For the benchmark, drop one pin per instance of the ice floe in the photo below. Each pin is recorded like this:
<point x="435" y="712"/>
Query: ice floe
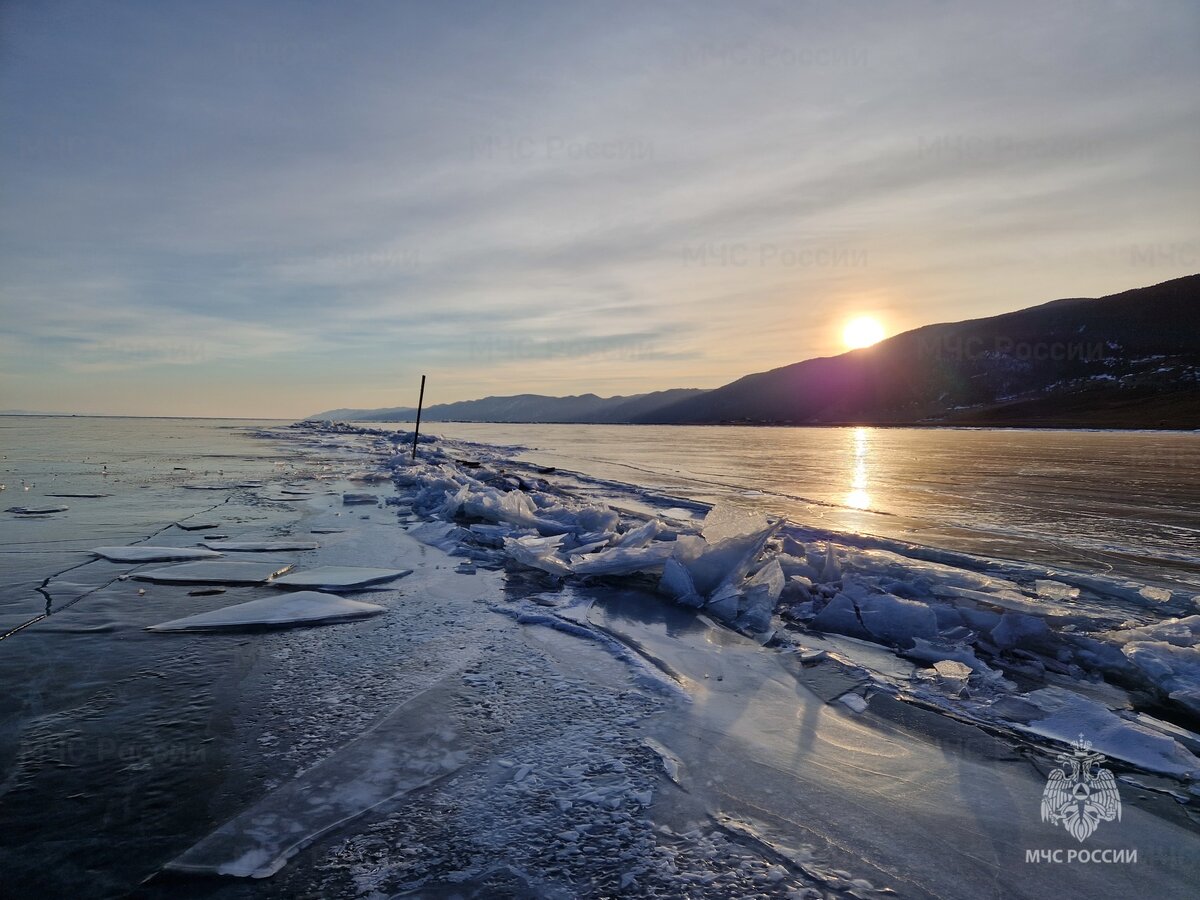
<point x="260" y="546"/>
<point x="1168" y="655"/>
<point x="413" y="747"/>
<point x="197" y="526"/>
<point x="35" y="510"/>
<point x="215" y="572"/>
<point x="339" y="577"/>
<point x="141" y="554"/>
<point x="1064" y="716"/>
<point x="277" y="611"/>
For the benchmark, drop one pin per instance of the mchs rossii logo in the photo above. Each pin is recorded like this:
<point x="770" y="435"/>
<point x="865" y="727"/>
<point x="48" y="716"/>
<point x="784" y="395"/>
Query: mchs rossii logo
<point x="1081" y="794"/>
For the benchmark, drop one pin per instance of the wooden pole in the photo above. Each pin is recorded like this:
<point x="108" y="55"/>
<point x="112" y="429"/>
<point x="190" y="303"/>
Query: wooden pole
<point x="417" y="430"/>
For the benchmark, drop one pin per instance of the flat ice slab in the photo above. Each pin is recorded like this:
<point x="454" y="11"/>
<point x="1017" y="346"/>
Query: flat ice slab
<point x="340" y="577"/>
<point x="215" y="572"/>
<point x="197" y="526"/>
<point x="153" y="554"/>
<point x="35" y="510"/>
<point x="280" y="611"/>
<point x="261" y="546"/>
<point x="415" y="746"/>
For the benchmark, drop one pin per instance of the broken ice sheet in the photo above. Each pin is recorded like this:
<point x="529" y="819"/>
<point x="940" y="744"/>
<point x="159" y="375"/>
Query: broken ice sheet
<point x="623" y="560"/>
<point x="339" y="577"/>
<point x="215" y="572"/>
<point x="538" y="553"/>
<point x="261" y="546"/>
<point x="725" y="521"/>
<point x="142" y="554"/>
<point x="1064" y="715"/>
<point x="280" y="610"/>
<point x="1167" y="653"/>
<point x="412" y="747"/>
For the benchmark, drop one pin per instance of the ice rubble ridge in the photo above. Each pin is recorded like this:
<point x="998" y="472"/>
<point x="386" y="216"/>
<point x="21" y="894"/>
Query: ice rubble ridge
<point x="753" y="574"/>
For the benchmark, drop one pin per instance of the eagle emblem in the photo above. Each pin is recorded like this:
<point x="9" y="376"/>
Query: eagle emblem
<point x="1081" y="794"/>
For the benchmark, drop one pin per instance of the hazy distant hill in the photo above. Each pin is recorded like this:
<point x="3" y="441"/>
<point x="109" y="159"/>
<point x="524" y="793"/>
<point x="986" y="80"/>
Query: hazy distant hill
<point x="586" y="408"/>
<point x="1127" y="360"/>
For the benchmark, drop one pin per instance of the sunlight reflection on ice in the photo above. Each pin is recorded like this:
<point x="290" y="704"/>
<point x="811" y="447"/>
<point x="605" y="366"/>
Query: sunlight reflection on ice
<point x="858" y="496"/>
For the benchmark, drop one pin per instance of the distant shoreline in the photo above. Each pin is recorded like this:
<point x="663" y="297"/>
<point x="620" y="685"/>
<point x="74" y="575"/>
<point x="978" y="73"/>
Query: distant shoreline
<point x="946" y="426"/>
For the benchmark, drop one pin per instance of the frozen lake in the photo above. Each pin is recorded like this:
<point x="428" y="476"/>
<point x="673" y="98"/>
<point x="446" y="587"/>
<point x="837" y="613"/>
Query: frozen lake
<point x="495" y="731"/>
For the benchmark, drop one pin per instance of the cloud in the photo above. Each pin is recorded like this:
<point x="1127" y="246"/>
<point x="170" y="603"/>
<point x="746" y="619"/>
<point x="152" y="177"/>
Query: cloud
<point x="664" y="196"/>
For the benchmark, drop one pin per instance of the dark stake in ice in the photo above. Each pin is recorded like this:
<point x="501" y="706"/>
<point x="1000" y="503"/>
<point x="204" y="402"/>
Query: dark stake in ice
<point x="417" y="427"/>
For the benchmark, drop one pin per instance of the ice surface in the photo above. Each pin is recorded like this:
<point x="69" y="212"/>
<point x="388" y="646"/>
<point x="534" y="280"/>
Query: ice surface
<point x="725" y="521"/>
<point x="1168" y="654"/>
<point x="952" y="669"/>
<point x="350" y="499"/>
<point x="758" y="740"/>
<point x="443" y="535"/>
<point x="339" y="577"/>
<point x="623" y="560"/>
<point x="677" y="583"/>
<point x="1020" y="630"/>
<point x="959" y="613"/>
<point x="725" y="562"/>
<point x="278" y="611"/>
<point x="895" y="620"/>
<point x="671" y="763"/>
<point x="140" y="554"/>
<point x="261" y="546"/>
<point x="759" y="597"/>
<point x="1067" y="715"/>
<point x="538" y="553"/>
<point x="640" y="536"/>
<point x="724" y="603"/>
<point x="215" y="572"/>
<point x="852" y="701"/>
<point x="197" y="526"/>
<point x="1055" y="590"/>
<point x="841" y="617"/>
<point x="413" y="747"/>
<point x="35" y="510"/>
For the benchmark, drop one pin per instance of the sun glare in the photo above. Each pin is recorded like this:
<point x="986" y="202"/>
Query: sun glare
<point x="862" y="332"/>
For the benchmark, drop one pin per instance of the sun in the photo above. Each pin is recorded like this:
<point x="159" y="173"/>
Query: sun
<point x="862" y="332"/>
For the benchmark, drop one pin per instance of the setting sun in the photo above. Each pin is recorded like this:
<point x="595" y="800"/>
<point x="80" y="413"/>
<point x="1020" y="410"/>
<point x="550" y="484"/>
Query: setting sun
<point x="862" y="332"/>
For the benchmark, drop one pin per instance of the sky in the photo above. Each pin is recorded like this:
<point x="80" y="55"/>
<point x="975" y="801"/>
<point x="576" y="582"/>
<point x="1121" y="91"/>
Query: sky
<point x="273" y="209"/>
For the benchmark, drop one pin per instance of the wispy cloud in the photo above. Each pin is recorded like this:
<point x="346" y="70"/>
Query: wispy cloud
<point x="273" y="208"/>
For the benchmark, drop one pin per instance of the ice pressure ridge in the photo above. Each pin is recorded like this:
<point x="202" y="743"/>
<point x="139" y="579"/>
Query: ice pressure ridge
<point x="993" y="640"/>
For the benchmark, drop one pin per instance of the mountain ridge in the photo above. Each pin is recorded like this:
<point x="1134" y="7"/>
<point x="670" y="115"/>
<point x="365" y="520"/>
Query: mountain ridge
<point x="1125" y="360"/>
<point x="524" y="408"/>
